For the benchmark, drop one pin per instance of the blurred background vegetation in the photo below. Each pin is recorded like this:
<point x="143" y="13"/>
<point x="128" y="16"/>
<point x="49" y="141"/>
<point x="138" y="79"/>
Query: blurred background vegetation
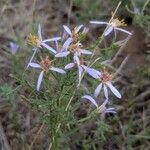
<point x="21" y="117"/>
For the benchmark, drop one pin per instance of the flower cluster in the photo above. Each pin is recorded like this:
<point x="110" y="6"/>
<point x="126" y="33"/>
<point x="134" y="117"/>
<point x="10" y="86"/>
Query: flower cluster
<point x="71" y="46"/>
<point x="105" y="80"/>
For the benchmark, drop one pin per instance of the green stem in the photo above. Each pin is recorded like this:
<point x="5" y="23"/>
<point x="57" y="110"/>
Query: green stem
<point x="145" y="4"/>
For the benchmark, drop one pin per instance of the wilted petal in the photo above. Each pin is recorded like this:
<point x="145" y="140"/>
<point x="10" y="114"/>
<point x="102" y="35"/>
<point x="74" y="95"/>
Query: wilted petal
<point x="98" y="90"/>
<point x="113" y="89"/>
<point x="39" y="32"/>
<point x="83" y="51"/>
<point x="40" y="78"/>
<point x="99" y="22"/>
<point x="67" y="30"/>
<point x="62" y="54"/>
<point x="57" y="70"/>
<point x="67" y="44"/>
<point x="125" y="31"/>
<point x="90" y="99"/>
<point x="49" y="48"/>
<point x="70" y="65"/>
<point x="108" y="31"/>
<point x="52" y="39"/>
<point x="78" y="28"/>
<point x="34" y="65"/>
<point x="105" y="92"/>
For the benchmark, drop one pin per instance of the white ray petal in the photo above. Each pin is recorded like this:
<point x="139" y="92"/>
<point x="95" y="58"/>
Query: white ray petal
<point x="70" y="65"/>
<point x="62" y="54"/>
<point x="67" y="30"/>
<point x="105" y="91"/>
<point x="83" y="51"/>
<point x="90" y="99"/>
<point x="78" y="28"/>
<point x="57" y="70"/>
<point x="99" y="22"/>
<point x="110" y="111"/>
<point x="92" y="72"/>
<point x="102" y="108"/>
<point x="80" y="69"/>
<point x="34" y="65"/>
<point x="110" y="108"/>
<point x="98" y="90"/>
<point x="76" y="59"/>
<point x="113" y="89"/>
<point x="49" y="48"/>
<point x="108" y="31"/>
<point x="39" y="32"/>
<point x="57" y="47"/>
<point x="85" y="30"/>
<point x="125" y="31"/>
<point x="52" y="39"/>
<point x="40" y="78"/>
<point x="67" y="44"/>
<point x="35" y="50"/>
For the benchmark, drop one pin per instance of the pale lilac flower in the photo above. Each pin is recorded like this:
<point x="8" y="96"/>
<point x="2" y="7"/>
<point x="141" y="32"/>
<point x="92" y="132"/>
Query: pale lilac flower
<point x="38" y="42"/>
<point x="46" y="66"/>
<point x="13" y="47"/>
<point x="102" y="108"/>
<point x="73" y="35"/>
<point x="105" y="79"/>
<point x="76" y="50"/>
<point x="112" y="25"/>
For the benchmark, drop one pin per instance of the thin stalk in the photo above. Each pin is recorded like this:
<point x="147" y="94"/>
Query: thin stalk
<point x="145" y="4"/>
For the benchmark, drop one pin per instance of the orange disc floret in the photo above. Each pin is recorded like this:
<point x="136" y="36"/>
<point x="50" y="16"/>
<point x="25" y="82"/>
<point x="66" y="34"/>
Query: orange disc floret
<point x="45" y="64"/>
<point x="105" y="76"/>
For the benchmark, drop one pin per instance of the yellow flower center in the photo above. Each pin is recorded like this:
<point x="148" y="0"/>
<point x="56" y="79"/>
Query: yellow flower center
<point x="75" y="36"/>
<point x="116" y="23"/>
<point x="33" y="40"/>
<point x="45" y="64"/>
<point x="74" y="47"/>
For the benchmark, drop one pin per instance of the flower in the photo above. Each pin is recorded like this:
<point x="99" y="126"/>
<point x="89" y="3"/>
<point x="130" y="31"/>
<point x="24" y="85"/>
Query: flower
<point x="80" y="64"/>
<point x="75" y="49"/>
<point x="74" y="35"/>
<point x="105" y="79"/>
<point x="37" y="42"/>
<point x="13" y="47"/>
<point x="114" y="24"/>
<point x="102" y="108"/>
<point x="45" y="65"/>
